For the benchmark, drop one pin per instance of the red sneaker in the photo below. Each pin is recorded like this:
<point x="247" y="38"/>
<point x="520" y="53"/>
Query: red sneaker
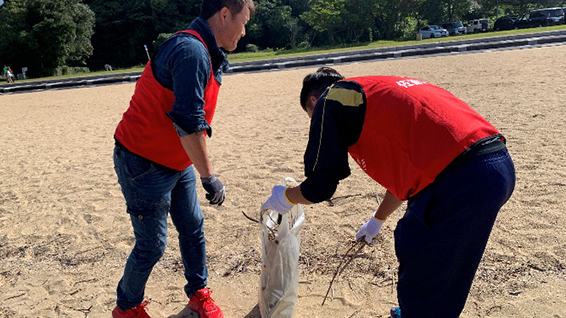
<point x="134" y="312"/>
<point x="204" y="305"/>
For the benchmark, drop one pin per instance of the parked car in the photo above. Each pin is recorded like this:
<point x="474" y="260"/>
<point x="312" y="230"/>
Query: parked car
<point x="432" y="31"/>
<point x="454" y="28"/>
<point x="478" y="25"/>
<point x="540" y="18"/>
<point x="504" y="23"/>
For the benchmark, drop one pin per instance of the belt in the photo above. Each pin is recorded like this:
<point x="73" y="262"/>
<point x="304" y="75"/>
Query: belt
<point x="483" y="146"/>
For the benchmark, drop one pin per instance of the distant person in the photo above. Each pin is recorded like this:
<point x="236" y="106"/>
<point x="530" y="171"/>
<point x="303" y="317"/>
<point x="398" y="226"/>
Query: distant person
<point x="158" y="141"/>
<point x="424" y="146"/>
<point x="9" y="74"/>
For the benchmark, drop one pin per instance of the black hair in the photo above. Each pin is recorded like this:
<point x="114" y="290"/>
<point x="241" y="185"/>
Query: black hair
<point x="316" y="83"/>
<point x="209" y="7"/>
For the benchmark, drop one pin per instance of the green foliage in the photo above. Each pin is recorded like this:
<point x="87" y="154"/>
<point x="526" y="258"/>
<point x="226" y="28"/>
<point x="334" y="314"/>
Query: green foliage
<point x="358" y="19"/>
<point x="324" y="16"/>
<point x="80" y="47"/>
<point x="274" y="25"/>
<point x="252" y="48"/>
<point x="162" y="37"/>
<point x="69" y="70"/>
<point x="407" y="29"/>
<point x="123" y="27"/>
<point x="45" y="34"/>
<point x="48" y="35"/>
<point x="440" y="11"/>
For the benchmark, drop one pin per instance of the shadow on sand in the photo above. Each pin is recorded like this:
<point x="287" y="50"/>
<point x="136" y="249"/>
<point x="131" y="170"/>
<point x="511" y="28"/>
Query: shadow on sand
<point x="254" y="313"/>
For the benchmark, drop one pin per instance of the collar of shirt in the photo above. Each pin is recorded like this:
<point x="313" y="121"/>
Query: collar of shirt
<point x="217" y="56"/>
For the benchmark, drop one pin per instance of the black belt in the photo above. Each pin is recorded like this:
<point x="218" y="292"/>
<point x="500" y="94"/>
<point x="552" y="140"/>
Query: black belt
<point x="483" y="146"/>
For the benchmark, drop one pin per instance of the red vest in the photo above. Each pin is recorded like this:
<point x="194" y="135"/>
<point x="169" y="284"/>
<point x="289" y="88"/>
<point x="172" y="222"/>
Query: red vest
<point x="147" y="131"/>
<point x="412" y="131"/>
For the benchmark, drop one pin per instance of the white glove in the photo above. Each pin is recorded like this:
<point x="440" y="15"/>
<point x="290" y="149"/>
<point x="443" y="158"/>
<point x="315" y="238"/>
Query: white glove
<point x="278" y="201"/>
<point x="369" y="230"/>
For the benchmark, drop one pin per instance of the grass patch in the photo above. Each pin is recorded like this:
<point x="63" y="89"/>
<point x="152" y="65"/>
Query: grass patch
<point x="76" y="75"/>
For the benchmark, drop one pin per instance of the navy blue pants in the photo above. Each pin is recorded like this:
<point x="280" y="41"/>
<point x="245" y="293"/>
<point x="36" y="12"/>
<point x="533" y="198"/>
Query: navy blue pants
<point x="440" y="240"/>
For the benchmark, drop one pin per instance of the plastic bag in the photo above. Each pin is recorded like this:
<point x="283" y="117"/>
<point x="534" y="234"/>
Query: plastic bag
<point x="280" y="244"/>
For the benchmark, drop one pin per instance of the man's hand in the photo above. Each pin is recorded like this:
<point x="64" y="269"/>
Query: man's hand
<point x="216" y="192"/>
<point x="369" y="230"/>
<point x="278" y="201"/>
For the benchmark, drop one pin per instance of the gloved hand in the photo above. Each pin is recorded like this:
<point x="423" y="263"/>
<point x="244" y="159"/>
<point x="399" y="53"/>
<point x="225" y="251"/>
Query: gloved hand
<point x="369" y="230"/>
<point x="278" y="201"/>
<point x="216" y="192"/>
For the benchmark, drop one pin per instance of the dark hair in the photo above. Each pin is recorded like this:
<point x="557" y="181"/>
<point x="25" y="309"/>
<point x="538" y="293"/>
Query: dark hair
<point x="209" y="7"/>
<point x="316" y="83"/>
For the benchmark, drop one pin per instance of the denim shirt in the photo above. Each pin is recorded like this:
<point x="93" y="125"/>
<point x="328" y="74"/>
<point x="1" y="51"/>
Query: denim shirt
<point x="182" y="64"/>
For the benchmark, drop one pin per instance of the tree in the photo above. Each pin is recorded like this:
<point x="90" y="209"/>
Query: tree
<point x="358" y="17"/>
<point x="324" y="17"/>
<point x="273" y="25"/>
<point x="44" y="35"/>
<point x="123" y="27"/>
<point x="292" y="24"/>
<point x="282" y="27"/>
<point x="47" y="34"/>
<point x="391" y="18"/>
<point x="80" y="46"/>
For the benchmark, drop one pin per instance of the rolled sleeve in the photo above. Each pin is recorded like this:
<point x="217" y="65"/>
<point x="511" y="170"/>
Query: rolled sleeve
<point x="184" y="67"/>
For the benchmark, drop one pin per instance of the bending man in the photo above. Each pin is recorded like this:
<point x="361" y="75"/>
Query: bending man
<point x="424" y="145"/>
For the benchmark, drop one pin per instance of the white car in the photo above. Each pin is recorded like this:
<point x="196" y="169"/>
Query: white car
<point x="478" y="25"/>
<point x="432" y="31"/>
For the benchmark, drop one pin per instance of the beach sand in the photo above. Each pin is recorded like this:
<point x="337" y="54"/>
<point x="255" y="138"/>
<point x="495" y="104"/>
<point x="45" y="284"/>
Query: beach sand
<point x="65" y="235"/>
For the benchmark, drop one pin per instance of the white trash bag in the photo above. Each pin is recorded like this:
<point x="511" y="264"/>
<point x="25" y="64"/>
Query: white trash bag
<point x="280" y="243"/>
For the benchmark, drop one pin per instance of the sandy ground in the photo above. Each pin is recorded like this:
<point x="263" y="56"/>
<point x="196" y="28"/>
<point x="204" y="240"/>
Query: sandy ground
<point x="65" y="235"/>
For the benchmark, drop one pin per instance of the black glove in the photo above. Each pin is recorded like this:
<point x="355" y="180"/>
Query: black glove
<point x="216" y="190"/>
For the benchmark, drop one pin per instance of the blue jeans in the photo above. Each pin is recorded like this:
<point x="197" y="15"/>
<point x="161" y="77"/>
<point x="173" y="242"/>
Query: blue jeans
<point x="151" y="192"/>
<point x="440" y="240"/>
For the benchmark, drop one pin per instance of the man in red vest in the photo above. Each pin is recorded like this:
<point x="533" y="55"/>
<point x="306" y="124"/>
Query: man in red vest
<point x="424" y="146"/>
<point x="158" y="141"/>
